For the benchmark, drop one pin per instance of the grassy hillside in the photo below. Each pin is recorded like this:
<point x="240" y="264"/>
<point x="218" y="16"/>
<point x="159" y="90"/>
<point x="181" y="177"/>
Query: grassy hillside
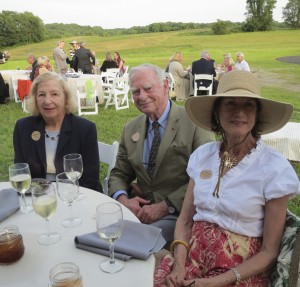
<point x="281" y="81"/>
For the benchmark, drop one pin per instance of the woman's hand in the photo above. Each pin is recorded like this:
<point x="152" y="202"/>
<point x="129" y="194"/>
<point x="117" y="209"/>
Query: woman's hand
<point x="175" y="278"/>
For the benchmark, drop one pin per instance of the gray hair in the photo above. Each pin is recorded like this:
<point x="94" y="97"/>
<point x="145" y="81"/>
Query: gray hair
<point x="204" y="54"/>
<point x="30" y="55"/>
<point x="157" y="71"/>
<point x="70" y="106"/>
<point x="240" y="54"/>
<point x="42" y="60"/>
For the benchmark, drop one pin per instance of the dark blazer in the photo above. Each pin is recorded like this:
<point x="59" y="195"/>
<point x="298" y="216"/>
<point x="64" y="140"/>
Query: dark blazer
<point x="82" y="60"/>
<point x="34" y="67"/>
<point x="77" y="135"/>
<point x="108" y="65"/>
<point x="203" y="66"/>
<point x="181" y="138"/>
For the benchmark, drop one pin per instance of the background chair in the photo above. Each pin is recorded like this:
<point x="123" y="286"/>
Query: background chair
<point x="108" y="154"/>
<point x="171" y="81"/>
<point x="200" y="77"/>
<point x="87" y="99"/>
<point x="117" y="94"/>
<point x="15" y="80"/>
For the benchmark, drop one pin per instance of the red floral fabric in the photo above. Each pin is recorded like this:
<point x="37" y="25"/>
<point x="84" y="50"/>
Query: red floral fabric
<point x="214" y="251"/>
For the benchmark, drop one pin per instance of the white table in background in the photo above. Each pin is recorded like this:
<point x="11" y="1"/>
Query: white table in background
<point x="7" y="76"/>
<point x="77" y="82"/>
<point x="286" y="140"/>
<point x="32" y="270"/>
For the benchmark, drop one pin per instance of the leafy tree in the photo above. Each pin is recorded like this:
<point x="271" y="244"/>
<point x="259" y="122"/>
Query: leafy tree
<point x="259" y="15"/>
<point x="221" y="27"/>
<point x="291" y="14"/>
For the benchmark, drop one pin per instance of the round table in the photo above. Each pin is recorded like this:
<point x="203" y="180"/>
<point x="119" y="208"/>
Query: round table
<point x="33" y="268"/>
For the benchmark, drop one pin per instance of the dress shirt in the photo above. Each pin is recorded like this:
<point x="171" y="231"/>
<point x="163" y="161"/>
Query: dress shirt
<point x="243" y="66"/>
<point x="149" y="139"/>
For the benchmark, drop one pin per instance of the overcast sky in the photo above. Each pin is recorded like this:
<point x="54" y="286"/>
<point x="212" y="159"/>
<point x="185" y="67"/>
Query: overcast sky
<point x="128" y="13"/>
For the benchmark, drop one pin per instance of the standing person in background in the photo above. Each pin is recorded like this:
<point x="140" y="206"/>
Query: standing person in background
<point x="31" y="59"/>
<point x="60" y="58"/>
<point x="84" y="59"/>
<point x="120" y="63"/>
<point x="108" y="63"/>
<point x="73" y="48"/>
<point x="181" y="77"/>
<point x="241" y="64"/>
<point x="161" y="179"/>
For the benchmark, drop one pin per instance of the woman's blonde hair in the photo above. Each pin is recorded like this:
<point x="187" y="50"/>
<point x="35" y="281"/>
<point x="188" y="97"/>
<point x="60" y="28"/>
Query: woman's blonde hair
<point x="70" y="106"/>
<point x="177" y="56"/>
<point x="42" y="60"/>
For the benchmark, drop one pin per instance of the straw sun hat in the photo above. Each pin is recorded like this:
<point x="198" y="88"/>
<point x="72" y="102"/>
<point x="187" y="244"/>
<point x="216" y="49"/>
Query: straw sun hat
<point x="273" y="115"/>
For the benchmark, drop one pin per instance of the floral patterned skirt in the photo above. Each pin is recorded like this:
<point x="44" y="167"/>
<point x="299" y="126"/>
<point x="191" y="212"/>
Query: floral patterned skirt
<point x="214" y="251"/>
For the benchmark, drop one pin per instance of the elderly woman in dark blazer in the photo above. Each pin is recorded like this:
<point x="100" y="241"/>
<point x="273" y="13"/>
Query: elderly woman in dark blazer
<point x="41" y="140"/>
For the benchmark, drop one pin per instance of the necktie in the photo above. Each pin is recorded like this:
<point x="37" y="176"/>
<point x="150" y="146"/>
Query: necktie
<point x="154" y="149"/>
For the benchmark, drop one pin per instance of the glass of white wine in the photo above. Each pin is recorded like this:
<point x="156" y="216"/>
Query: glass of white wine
<point x="20" y="178"/>
<point x="67" y="190"/>
<point x="44" y="204"/>
<point x="109" y="223"/>
<point x="73" y="167"/>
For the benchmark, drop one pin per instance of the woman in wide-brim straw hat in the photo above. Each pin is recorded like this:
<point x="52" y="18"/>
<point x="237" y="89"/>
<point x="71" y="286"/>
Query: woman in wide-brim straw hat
<point x="239" y="188"/>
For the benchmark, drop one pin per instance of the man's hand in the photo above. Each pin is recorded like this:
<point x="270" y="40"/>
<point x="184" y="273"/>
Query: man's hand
<point x="153" y="212"/>
<point x="134" y="204"/>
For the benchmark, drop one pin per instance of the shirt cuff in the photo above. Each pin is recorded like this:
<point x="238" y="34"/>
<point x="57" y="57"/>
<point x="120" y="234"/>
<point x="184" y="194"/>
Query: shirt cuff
<point x="118" y="193"/>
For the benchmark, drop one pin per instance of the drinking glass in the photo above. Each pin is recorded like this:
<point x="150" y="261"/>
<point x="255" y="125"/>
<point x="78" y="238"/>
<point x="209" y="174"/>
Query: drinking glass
<point x="44" y="204"/>
<point x="109" y="223"/>
<point x="73" y="167"/>
<point x="67" y="190"/>
<point x="20" y="178"/>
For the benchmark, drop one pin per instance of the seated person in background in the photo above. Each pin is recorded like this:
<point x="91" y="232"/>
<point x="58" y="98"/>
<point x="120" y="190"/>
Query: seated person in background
<point x="53" y="131"/>
<point x="31" y="59"/>
<point x="205" y="66"/>
<point x="228" y="63"/>
<point x="241" y="63"/>
<point x="44" y="66"/>
<point x="108" y="63"/>
<point x="161" y="180"/>
<point x="181" y="77"/>
<point x="120" y="63"/>
<point x="233" y="216"/>
<point x="4" y="91"/>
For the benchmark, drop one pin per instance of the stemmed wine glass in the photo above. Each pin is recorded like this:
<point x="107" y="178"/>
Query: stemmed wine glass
<point x="20" y="178"/>
<point x="44" y="204"/>
<point x="73" y="167"/>
<point x="109" y="222"/>
<point x="68" y="192"/>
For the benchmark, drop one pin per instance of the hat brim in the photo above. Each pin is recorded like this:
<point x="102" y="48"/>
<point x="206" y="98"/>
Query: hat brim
<point x="273" y="116"/>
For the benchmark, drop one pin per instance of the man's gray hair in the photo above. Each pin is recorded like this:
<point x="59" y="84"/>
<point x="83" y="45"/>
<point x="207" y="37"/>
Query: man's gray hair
<point x="157" y="70"/>
<point x="204" y="54"/>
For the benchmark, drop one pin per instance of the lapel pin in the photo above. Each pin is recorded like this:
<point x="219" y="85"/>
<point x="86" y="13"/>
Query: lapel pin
<point x="135" y="137"/>
<point x="205" y="174"/>
<point x="36" y="135"/>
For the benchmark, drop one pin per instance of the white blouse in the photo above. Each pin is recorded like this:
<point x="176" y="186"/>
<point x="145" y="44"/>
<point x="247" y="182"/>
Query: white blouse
<point x="262" y="175"/>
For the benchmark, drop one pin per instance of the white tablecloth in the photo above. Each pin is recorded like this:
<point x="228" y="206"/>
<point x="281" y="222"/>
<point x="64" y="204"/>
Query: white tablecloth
<point x="286" y="140"/>
<point x="7" y="76"/>
<point x="32" y="270"/>
<point x="79" y="82"/>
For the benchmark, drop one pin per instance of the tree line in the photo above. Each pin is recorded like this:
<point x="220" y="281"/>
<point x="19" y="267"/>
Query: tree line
<point x="23" y="28"/>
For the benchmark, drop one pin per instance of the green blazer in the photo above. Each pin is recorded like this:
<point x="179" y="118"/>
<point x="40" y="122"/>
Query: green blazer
<point x="170" y="179"/>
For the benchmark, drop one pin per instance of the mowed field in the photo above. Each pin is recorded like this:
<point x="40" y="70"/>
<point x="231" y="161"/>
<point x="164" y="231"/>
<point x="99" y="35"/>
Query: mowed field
<point x="280" y="81"/>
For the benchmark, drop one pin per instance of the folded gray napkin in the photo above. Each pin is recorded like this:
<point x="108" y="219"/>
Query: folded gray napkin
<point x="137" y="240"/>
<point x="9" y="202"/>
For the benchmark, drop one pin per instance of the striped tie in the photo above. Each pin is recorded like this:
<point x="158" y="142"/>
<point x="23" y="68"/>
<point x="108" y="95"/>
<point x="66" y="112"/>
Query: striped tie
<point x="154" y="149"/>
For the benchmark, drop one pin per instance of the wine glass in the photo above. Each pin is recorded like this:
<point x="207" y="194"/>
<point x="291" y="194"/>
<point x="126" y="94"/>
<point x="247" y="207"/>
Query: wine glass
<point x="73" y="167"/>
<point x="109" y="222"/>
<point x="44" y="204"/>
<point x="67" y="190"/>
<point x="20" y="178"/>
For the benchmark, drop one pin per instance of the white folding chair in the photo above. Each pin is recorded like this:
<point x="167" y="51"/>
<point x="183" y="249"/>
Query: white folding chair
<point x="111" y="74"/>
<point x="117" y="94"/>
<point x="171" y="81"/>
<point x="199" y="77"/>
<point x="87" y="100"/>
<point x="14" y="81"/>
<point x="108" y="154"/>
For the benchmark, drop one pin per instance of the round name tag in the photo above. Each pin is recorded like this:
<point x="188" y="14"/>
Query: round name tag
<point x="206" y="174"/>
<point x="36" y="135"/>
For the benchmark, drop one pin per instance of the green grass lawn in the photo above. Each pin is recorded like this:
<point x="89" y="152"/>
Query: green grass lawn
<point x="280" y="80"/>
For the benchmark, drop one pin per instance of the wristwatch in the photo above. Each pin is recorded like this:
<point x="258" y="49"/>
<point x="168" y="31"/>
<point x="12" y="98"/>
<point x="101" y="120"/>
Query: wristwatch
<point x="171" y="207"/>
